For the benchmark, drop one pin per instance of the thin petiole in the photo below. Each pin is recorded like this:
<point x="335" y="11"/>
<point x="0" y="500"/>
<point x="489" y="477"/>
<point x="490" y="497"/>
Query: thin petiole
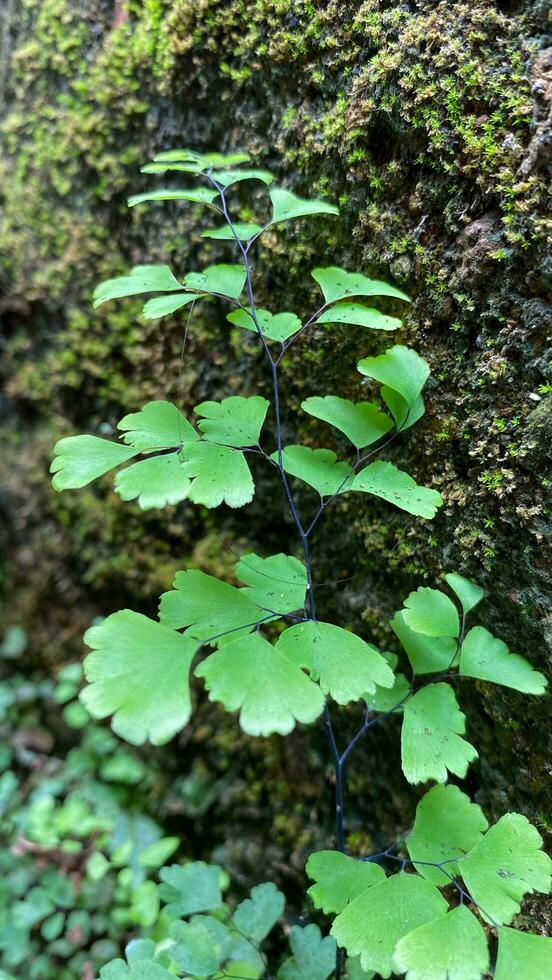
<point x="369" y="723"/>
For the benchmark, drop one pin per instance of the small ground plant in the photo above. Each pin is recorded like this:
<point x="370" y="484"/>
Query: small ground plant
<point x="77" y="854"/>
<point x="426" y="906"/>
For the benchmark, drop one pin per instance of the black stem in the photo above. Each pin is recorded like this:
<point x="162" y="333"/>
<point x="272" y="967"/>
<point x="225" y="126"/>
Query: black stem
<point x="338" y="763"/>
<point x="339" y="760"/>
<point x="359" y="461"/>
<point x="369" y="722"/>
<point x="338" y="770"/>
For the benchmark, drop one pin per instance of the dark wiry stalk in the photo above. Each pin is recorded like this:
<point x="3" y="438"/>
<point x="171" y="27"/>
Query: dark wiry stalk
<point x="338" y="759"/>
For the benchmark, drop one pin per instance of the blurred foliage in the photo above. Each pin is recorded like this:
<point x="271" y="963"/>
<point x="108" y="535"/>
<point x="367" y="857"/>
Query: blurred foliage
<point x="80" y="844"/>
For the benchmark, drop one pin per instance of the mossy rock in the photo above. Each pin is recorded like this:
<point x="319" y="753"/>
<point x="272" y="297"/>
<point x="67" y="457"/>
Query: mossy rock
<point x="420" y="121"/>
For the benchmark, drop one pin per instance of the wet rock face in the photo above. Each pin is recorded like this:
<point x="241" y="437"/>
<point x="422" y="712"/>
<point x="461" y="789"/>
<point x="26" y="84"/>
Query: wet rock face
<point x="429" y="124"/>
<point x="539" y="151"/>
<point x="476" y="246"/>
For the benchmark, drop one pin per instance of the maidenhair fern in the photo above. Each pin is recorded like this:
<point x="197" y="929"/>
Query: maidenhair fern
<point x="456" y="878"/>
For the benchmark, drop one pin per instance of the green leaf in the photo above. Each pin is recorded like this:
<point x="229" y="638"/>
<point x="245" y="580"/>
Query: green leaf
<point x="156" y="482"/>
<point x="178" y="167"/>
<point x="278" y="582"/>
<point x="225" y="159"/>
<point x="372" y="924"/>
<point x="354" y="970"/>
<point x="486" y="657"/>
<point x="361" y="422"/>
<point x="144" y="908"/>
<point x="386" y="481"/>
<point x="244" y="961"/>
<point x="364" y="316"/>
<point x="140" y="949"/>
<point x="523" y="956"/>
<point x="52" y="928"/>
<point x="139" y="970"/>
<point x="338" y="284"/>
<point x="256" y="916"/>
<point x="141" y="279"/>
<point x="199" y="195"/>
<point x="207" y="606"/>
<point x="230" y="946"/>
<point x="220" y="475"/>
<point x="138" y="672"/>
<point x="36" y="905"/>
<point x="286" y="205"/>
<point x="165" y="305"/>
<point x="384" y="699"/>
<point x="405" y="415"/>
<point x="339" y="879"/>
<point x="80" y="459"/>
<point x="342" y="663"/>
<point x="228" y="177"/>
<point x="453" y="947"/>
<point x="271" y="692"/>
<point x="469" y="594"/>
<point x="59" y="887"/>
<point x="505" y="865"/>
<point x="317" y="467"/>
<point x="427" y="654"/>
<point x="234" y="421"/>
<point x="275" y="326"/>
<point x="190" y="888"/>
<point x="155" y="854"/>
<point x="121" y="767"/>
<point x="243" y="230"/>
<point x="180" y="154"/>
<point x="430" y="741"/>
<point x="115" y="970"/>
<point x="447" y="825"/>
<point x="313" y="957"/>
<point x="399" y="368"/>
<point x="146" y="970"/>
<point x="242" y="970"/>
<point x="158" y="425"/>
<point x="75" y="715"/>
<point x="204" y="160"/>
<point x="431" y="612"/>
<point x="224" y="280"/>
<point x="194" y="952"/>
